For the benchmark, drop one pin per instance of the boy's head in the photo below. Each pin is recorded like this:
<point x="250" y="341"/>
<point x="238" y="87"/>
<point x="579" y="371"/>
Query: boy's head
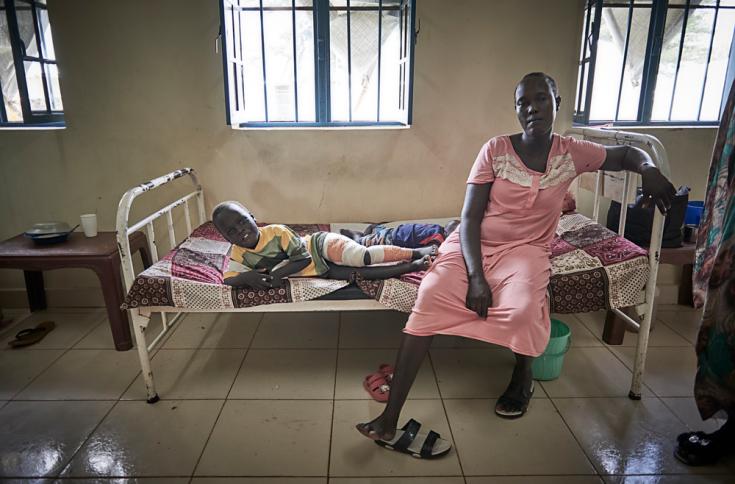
<point x="450" y="227"/>
<point x="236" y="224"/>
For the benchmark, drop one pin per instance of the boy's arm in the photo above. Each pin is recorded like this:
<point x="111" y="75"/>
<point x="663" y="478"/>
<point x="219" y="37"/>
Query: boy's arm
<point x="243" y="275"/>
<point x="292" y="267"/>
<point x="252" y="279"/>
<point x="295" y="249"/>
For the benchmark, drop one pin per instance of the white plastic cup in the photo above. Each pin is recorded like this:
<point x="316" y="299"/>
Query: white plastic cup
<point x="89" y="224"/>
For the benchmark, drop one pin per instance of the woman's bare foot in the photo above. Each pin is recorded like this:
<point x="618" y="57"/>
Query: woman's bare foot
<point x="377" y="429"/>
<point x="519" y="387"/>
<point x="430" y="250"/>
<point x="514" y="401"/>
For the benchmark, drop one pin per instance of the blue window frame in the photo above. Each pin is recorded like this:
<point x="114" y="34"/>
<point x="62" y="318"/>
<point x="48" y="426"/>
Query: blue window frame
<point x="29" y="77"/>
<point x="655" y="62"/>
<point x="318" y="63"/>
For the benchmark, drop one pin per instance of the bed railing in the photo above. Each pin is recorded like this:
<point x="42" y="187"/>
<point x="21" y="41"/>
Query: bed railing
<point x="125" y="228"/>
<point x="660" y="159"/>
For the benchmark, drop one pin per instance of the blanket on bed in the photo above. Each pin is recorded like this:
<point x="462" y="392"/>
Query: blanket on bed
<point x="592" y="268"/>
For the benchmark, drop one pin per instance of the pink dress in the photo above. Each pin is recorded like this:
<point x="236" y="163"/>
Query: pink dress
<point x="519" y="223"/>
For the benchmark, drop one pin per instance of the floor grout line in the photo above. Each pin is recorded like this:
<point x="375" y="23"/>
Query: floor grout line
<point x="334" y="394"/>
<point x="574" y="436"/>
<point x="643" y="382"/>
<point x="86" y="439"/>
<point x="224" y="401"/>
<point x="64" y="351"/>
<point x="446" y="413"/>
<point x="117" y="401"/>
<point x="44" y="370"/>
<point x="672" y="328"/>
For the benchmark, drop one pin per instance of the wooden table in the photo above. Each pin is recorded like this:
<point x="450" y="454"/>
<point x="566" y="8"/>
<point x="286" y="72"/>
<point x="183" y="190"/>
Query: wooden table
<point x="683" y="256"/>
<point x="99" y="254"/>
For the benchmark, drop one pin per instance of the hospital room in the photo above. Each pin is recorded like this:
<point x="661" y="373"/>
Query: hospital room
<point x="367" y="241"/>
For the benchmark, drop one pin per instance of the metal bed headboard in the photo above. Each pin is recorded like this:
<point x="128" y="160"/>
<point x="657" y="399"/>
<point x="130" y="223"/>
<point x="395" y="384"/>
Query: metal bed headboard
<point x="124" y="229"/>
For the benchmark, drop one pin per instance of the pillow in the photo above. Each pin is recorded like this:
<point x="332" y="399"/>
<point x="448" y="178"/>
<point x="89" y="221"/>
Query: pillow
<point x="569" y="204"/>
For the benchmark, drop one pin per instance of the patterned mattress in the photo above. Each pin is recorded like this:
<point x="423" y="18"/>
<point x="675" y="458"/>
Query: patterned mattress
<point x="592" y="268"/>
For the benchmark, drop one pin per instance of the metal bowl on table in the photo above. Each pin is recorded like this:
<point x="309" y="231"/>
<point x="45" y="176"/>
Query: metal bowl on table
<point x="47" y="233"/>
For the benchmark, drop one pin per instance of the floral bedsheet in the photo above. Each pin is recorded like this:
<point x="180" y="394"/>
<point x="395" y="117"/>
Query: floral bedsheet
<point x="592" y="268"/>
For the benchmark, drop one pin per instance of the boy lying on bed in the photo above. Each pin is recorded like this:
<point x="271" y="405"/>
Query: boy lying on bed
<point x="261" y="257"/>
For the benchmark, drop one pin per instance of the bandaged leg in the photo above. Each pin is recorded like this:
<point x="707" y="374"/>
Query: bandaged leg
<point x="346" y="252"/>
<point x="389" y="253"/>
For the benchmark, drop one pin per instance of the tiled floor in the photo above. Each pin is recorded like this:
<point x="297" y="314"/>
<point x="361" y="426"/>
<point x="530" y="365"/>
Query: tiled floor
<point x="273" y="399"/>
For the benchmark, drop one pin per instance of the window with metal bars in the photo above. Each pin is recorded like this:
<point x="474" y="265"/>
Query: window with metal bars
<point x="655" y="62"/>
<point x="29" y="77"/>
<point x="319" y="63"/>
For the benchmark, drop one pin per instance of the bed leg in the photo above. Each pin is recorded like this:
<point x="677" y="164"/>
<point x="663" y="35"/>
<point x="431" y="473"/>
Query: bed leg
<point x="641" y="350"/>
<point x="140" y="322"/>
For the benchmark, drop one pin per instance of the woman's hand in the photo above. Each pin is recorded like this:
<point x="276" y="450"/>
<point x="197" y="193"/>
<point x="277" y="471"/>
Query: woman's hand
<point x="657" y="189"/>
<point x="251" y="279"/>
<point x="479" y="297"/>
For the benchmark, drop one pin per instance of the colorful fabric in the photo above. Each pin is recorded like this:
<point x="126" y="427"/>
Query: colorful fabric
<point x="405" y="235"/>
<point x="714" y="277"/>
<point x="379" y="236"/>
<point x="607" y="285"/>
<point x="418" y="235"/>
<point x="315" y="245"/>
<point x="191" y="276"/>
<point x="516" y="231"/>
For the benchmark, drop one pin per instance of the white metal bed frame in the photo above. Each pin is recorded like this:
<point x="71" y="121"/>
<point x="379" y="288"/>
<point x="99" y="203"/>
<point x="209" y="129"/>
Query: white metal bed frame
<point x="141" y="316"/>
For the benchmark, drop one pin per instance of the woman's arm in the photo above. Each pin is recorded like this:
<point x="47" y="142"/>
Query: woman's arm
<point x="655" y="185"/>
<point x="479" y="297"/>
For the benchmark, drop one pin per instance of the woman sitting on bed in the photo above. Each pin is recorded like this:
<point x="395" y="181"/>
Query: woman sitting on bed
<point x="490" y="278"/>
<point x="261" y="257"/>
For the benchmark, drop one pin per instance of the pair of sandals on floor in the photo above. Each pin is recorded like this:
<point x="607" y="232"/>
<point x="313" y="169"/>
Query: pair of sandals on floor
<point x="409" y="439"/>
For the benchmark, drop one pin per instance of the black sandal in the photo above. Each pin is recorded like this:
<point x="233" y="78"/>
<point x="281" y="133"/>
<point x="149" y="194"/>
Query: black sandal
<point x="512" y="408"/>
<point x="31" y="336"/>
<point x="409" y="440"/>
<point x="701" y="449"/>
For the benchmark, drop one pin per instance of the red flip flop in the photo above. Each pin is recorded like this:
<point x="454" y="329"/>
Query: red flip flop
<point x="377" y="386"/>
<point x="387" y="370"/>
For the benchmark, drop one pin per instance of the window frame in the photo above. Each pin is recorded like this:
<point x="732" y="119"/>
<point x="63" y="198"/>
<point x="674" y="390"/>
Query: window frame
<point x="321" y="37"/>
<point x="31" y="118"/>
<point x="654" y="45"/>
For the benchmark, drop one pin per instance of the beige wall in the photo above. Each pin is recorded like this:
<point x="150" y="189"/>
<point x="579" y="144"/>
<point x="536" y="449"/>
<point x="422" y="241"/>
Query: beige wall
<point x="143" y="94"/>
